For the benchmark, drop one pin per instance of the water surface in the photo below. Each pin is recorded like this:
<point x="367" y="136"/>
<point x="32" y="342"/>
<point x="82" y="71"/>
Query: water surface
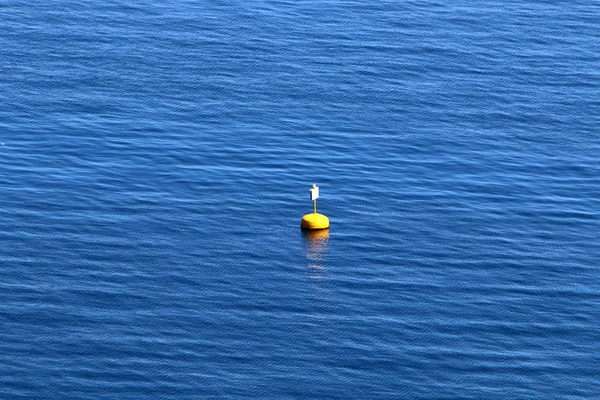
<point x="155" y="164"/>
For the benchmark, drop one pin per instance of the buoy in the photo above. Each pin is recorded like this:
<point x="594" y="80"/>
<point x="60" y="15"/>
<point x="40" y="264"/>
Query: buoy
<point x="314" y="220"/>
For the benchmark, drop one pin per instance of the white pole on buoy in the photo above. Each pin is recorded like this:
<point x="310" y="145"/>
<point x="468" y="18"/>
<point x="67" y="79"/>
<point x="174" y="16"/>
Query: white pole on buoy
<point x="314" y="195"/>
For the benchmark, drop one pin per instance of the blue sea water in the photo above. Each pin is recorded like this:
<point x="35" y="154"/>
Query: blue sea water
<point x="155" y="162"/>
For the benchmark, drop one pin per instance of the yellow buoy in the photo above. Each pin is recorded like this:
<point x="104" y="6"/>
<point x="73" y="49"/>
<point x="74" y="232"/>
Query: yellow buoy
<point x="314" y="220"/>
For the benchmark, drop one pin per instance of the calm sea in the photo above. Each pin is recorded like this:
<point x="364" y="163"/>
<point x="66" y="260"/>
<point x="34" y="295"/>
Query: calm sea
<point x="155" y="162"/>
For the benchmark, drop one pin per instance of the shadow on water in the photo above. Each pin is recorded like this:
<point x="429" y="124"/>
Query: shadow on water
<point x="315" y="246"/>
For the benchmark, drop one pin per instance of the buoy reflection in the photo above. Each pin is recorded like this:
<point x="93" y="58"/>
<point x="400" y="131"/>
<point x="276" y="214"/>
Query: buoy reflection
<point x="315" y="245"/>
